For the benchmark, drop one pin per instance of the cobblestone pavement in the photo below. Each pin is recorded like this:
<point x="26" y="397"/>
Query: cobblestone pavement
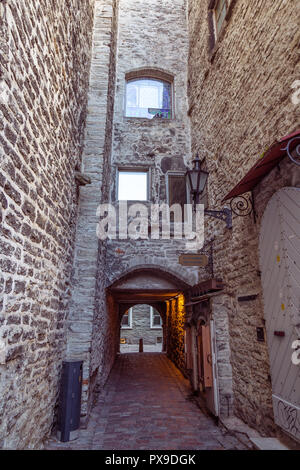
<point x="147" y="404"/>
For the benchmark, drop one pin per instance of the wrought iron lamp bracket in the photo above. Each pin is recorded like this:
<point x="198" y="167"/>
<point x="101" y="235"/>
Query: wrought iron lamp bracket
<point x="225" y="215"/>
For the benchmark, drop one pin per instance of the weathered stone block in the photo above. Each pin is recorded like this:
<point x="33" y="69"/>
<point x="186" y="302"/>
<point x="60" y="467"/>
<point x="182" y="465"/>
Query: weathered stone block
<point x="38" y="176"/>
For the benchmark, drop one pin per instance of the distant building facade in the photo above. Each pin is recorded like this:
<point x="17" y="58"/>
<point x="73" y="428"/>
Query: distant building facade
<point x="142" y="322"/>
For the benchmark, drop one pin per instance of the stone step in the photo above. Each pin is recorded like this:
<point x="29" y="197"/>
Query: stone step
<point x="268" y="443"/>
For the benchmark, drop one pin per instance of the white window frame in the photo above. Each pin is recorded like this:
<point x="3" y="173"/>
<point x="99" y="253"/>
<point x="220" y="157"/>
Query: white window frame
<point x="154" y="327"/>
<point x="129" y="327"/>
<point x="134" y="170"/>
<point x="217" y="33"/>
<point x="149" y="77"/>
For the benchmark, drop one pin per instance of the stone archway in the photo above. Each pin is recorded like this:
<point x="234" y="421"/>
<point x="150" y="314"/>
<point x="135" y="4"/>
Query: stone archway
<point x="178" y="275"/>
<point x="96" y="342"/>
<point x="162" y="289"/>
<point x="146" y="284"/>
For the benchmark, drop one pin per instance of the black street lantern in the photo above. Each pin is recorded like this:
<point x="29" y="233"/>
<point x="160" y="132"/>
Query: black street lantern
<point x="197" y="179"/>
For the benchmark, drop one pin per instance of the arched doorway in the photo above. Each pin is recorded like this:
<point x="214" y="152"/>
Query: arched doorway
<point x="280" y="267"/>
<point x="163" y="292"/>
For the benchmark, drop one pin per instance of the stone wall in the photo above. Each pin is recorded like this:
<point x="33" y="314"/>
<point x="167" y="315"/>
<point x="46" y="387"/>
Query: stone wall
<point x="220" y="307"/>
<point x="124" y="40"/>
<point x="240" y="97"/>
<point x="150" y="40"/>
<point x="93" y="322"/>
<point x="141" y="327"/>
<point x="45" y="57"/>
<point x="175" y="321"/>
<point x="239" y="102"/>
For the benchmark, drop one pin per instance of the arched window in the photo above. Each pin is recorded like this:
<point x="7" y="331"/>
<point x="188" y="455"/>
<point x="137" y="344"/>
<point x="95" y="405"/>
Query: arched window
<point x="148" y="97"/>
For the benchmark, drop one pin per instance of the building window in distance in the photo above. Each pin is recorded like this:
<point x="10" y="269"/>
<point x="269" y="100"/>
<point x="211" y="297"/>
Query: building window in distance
<point x="220" y="12"/>
<point x="127" y="319"/>
<point x="148" y="98"/>
<point x="133" y="185"/>
<point x="155" y="319"/>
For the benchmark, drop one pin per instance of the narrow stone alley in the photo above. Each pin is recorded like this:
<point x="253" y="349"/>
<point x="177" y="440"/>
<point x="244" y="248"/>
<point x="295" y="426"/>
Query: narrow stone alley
<point x="147" y="405"/>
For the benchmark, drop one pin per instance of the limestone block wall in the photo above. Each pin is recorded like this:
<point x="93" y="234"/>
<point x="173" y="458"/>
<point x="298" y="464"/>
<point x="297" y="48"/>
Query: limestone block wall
<point x="45" y="57"/>
<point x="123" y="41"/>
<point x="250" y="362"/>
<point x="240" y="98"/>
<point x="220" y="307"/>
<point x="92" y="320"/>
<point x="150" y="34"/>
<point x="125" y="255"/>
<point x="175" y="321"/>
<point x="106" y="322"/>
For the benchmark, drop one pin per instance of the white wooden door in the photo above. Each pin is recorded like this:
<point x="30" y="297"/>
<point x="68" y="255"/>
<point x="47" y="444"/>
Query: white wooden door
<point x="280" y="266"/>
<point x="212" y="400"/>
<point x="207" y="366"/>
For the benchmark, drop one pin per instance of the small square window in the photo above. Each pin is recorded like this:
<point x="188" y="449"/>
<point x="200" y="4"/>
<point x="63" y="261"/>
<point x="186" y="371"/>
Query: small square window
<point x="133" y="185"/>
<point x="155" y="319"/>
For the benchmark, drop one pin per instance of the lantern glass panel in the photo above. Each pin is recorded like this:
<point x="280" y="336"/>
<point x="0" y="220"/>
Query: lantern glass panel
<point x="194" y="179"/>
<point x="203" y="180"/>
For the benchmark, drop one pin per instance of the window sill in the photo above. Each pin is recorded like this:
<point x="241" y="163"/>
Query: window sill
<point x="132" y="201"/>
<point x="144" y="120"/>
<point x="126" y="328"/>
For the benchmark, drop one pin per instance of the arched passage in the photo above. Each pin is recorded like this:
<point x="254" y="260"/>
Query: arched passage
<point x="98" y="345"/>
<point x="160" y="289"/>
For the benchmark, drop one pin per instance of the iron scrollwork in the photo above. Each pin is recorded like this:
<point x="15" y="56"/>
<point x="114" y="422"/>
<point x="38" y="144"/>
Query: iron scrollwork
<point x="295" y="156"/>
<point x="241" y="205"/>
